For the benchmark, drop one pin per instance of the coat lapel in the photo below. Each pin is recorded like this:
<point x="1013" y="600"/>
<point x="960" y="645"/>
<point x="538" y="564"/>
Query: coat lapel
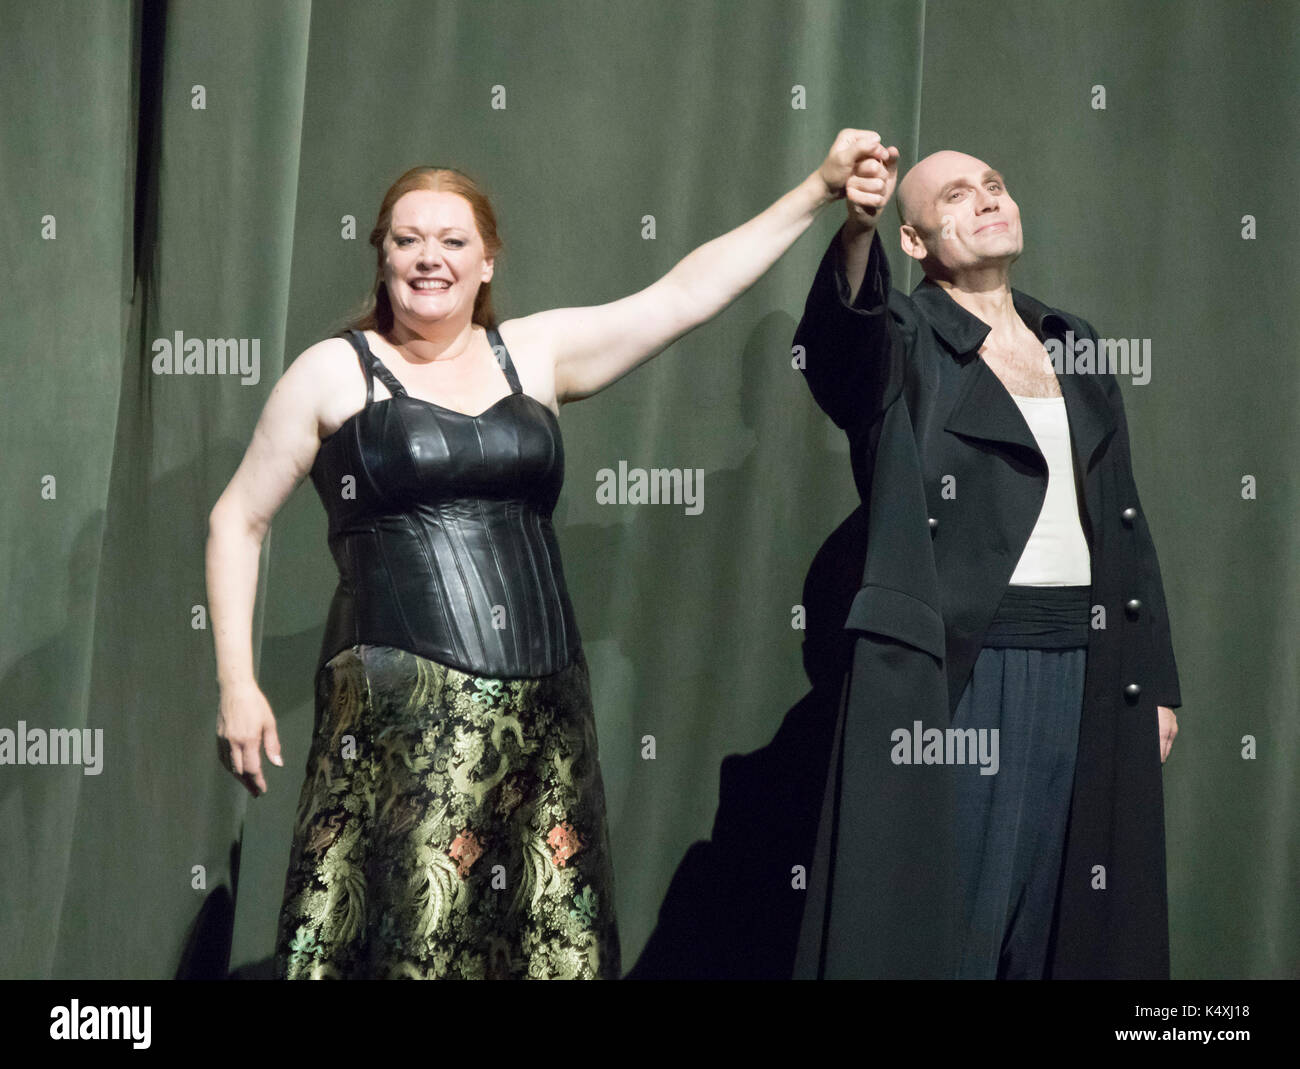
<point x="984" y="409"/>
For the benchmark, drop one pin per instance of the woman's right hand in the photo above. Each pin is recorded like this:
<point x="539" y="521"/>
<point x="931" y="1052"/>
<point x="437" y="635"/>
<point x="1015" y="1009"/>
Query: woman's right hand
<point x="244" y="723"/>
<point x="863" y="171"/>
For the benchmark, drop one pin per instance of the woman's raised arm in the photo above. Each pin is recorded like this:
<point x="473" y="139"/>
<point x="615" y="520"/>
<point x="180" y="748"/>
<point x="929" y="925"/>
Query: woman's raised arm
<point x="593" y="347"/>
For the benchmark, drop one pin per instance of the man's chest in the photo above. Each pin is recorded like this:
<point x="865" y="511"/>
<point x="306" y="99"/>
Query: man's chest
<point x="1022" y="365"/>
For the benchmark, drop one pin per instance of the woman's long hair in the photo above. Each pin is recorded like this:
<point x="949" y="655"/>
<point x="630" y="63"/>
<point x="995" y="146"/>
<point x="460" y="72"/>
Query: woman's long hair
<point x="376" y="313"/>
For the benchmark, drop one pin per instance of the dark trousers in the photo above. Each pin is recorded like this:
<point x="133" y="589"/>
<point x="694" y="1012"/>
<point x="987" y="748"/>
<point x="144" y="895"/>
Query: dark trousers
<point x="1011" y="825"/>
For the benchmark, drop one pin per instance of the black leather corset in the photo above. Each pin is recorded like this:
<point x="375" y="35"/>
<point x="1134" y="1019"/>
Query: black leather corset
<point x="440" y="524"/>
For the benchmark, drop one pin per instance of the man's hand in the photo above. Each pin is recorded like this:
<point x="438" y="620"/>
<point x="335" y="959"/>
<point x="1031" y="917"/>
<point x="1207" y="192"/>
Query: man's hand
<point x="864" y="172"/>
<point x="1168" y="729"/>
<point x="861" y="169"/>
<point x="871" y="186"/>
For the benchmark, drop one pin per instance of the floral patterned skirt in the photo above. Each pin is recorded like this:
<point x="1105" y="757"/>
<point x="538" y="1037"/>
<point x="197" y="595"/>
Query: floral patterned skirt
<point x="450" y="826"/>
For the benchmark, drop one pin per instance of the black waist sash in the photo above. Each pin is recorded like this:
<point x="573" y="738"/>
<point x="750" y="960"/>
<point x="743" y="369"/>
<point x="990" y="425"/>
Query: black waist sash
<point x="1041" y="617"/>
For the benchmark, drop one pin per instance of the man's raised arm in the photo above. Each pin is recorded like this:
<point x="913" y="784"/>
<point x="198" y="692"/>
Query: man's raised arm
<point x="852" y="350"/>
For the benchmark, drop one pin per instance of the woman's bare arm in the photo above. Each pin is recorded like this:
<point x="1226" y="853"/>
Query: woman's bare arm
<point x="592" y="347"/>
<point x="283" y="447"/>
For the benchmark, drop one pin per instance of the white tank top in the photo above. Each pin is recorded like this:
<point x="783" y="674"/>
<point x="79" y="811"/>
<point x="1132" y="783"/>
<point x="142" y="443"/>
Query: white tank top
<point x="1057" y="552"/>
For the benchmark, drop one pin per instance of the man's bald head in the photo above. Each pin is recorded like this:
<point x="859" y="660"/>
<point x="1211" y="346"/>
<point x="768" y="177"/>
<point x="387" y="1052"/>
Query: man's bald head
<point x="956" y="215"/>
<point x="920" y="187"/>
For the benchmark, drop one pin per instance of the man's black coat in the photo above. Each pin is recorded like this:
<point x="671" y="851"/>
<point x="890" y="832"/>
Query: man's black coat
<point x="952" y="481"/>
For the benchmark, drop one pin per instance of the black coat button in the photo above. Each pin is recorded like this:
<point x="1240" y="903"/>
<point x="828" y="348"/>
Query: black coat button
<point x="1132" y="605"/>
<point x="1129" y="515"/>
<point x="1132" y="690"/>
<point x="934" y="525"/>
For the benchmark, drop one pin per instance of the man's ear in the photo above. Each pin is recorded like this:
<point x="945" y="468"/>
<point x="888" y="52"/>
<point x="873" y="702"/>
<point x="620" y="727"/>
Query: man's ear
<point x="913" y="244"/>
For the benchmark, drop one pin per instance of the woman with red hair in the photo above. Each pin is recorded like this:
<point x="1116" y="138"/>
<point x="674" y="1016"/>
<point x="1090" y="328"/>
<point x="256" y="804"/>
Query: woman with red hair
<point x="452" y="819"/>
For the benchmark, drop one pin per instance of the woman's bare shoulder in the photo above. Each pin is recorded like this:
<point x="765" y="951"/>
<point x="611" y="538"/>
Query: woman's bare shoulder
<point x="327" y="351"/>
<point x="327" y="377"/>
<point x="532" y="352"/>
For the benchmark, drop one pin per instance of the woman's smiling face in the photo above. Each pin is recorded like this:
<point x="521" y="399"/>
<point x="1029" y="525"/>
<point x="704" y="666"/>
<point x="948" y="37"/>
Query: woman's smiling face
<point x="433" y="262"/>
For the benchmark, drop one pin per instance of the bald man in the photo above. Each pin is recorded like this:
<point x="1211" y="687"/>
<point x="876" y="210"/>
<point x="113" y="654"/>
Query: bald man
<point x="1011" y="603"/>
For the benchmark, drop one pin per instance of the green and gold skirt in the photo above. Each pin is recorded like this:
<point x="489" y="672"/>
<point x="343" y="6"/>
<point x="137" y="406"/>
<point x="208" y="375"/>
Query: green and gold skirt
<point x="450" y="826"/>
